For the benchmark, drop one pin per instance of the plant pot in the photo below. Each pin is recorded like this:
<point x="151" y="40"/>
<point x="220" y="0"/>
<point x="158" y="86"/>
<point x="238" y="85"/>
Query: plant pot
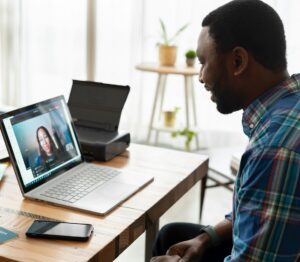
<point x="190" y="62"/>
<point x="169" y="118"/>
<point x="167" y="55"/>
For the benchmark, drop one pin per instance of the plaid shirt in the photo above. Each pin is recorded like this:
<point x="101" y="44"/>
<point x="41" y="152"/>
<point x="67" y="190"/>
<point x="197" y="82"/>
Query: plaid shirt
<point x="266" y="205"/>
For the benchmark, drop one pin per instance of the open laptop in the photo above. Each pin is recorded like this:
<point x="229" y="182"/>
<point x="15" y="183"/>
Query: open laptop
<point x="47" y="160"/>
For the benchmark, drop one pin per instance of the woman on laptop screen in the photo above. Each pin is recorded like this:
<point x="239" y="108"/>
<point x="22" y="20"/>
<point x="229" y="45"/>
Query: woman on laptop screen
<point x="50" y="155"/>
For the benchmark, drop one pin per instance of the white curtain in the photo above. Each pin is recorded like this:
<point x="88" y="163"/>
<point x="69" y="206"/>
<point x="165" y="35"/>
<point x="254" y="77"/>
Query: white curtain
<point x="51" y="49"/>
<point x="10" y="52"/>
<point x="44" y="48"/>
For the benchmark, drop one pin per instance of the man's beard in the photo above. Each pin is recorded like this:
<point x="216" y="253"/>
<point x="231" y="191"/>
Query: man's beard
<point x="227" y="101"/>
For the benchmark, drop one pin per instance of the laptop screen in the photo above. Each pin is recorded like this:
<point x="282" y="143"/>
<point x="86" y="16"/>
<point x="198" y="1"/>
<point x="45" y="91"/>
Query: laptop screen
<point x="42" y="140"/>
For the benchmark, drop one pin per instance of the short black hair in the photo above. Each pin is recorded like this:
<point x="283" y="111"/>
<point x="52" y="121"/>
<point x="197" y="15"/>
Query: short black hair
<point x="253" y="25"/>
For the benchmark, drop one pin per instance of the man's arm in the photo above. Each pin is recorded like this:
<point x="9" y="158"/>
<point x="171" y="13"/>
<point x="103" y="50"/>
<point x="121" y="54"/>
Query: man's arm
<point x="224" y="230"/>
<point x="195" y="248"/>
<point x="267" y="208"/>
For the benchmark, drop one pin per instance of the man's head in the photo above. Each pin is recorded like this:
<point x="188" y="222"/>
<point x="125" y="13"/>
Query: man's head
<point x="240" y="41"/>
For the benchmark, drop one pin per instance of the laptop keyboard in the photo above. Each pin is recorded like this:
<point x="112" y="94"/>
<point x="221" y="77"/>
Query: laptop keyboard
<point x="81" y="183"/>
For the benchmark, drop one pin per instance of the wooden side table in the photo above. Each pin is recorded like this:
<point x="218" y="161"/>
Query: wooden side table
<point x="190" y="106"/>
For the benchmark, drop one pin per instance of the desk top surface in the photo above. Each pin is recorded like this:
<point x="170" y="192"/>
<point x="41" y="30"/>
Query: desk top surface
<point x="174" y="172"/>
<point x="176" y="70"/>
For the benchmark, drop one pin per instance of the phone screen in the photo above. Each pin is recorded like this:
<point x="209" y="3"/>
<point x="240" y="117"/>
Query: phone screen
<point x="59" y="230"/>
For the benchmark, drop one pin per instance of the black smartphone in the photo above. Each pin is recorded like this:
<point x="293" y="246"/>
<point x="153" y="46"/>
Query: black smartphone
<point x="60" y="230"/>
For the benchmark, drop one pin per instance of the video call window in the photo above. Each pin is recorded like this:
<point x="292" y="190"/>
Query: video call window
<point x="45" y="140"/>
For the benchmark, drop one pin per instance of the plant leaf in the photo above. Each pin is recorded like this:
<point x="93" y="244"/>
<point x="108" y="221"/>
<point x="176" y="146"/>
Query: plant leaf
<point x="164" y="31"/>
<point x="176" y="109"/>
<point x="178" y="32"/>
<point x="174" y="134"/>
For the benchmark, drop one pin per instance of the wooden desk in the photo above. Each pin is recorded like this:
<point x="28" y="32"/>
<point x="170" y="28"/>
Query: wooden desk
<point x="190" y="105"/>
<point x="174" y="174"/>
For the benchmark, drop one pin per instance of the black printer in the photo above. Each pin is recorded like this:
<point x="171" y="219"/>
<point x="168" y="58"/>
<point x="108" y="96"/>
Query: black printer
<point x="96" y="110"/>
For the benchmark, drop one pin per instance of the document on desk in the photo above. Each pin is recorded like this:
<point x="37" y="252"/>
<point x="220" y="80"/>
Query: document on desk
<point x="6" y="234"/>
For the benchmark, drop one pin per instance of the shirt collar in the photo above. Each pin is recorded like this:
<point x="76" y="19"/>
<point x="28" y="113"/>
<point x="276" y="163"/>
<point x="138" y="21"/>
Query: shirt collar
<point x="254" y="112"/>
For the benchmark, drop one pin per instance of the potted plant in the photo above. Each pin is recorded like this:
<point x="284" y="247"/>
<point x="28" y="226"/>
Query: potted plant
<point x="170" y="117"/>
<point x="189" y="135"/>
<point x="167" y="49"/>
<point x="190" y="56"/>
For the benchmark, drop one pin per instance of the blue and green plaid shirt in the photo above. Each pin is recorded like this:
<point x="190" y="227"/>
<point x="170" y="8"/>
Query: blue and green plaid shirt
<point x="266" y="204"/>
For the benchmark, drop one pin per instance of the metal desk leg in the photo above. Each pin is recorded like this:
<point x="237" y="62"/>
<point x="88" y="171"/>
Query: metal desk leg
<point x="202" y="195"/>
<point x="151" y="234"/>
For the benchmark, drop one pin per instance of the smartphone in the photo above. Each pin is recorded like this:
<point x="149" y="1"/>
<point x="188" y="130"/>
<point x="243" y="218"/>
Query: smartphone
<point x="60" y="230"/>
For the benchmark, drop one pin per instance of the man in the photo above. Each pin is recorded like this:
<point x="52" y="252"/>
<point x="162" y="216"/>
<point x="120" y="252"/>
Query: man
<point x="242" y="52"/>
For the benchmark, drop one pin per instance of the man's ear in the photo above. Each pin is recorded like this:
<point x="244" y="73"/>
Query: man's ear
<point x="240" y="60"/>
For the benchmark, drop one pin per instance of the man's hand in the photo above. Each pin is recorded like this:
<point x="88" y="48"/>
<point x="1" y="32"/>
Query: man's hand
<point x="193" y="249"/>
<point x="166" y="259"/>
<point x="190" y="250"/>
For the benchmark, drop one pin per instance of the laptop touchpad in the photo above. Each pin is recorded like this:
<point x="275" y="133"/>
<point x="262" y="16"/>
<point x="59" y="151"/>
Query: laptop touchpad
<point x="106" y="197"/>
<point x="110" y="191"/>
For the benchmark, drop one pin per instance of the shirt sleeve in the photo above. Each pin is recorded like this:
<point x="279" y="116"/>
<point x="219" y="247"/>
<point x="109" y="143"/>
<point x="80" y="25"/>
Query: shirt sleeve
<point x="267" y="205"/>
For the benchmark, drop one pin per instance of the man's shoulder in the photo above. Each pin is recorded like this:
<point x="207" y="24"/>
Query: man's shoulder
<point x="283" y="128"/>
<point x="264" y="161"/>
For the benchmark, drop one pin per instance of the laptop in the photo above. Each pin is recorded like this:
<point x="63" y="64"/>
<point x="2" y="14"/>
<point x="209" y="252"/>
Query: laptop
<point x="49" y="165"/>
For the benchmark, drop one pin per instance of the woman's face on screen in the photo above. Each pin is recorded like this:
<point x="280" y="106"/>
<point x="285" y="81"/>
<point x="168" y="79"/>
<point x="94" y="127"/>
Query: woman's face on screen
<point x="44" y="141"/>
